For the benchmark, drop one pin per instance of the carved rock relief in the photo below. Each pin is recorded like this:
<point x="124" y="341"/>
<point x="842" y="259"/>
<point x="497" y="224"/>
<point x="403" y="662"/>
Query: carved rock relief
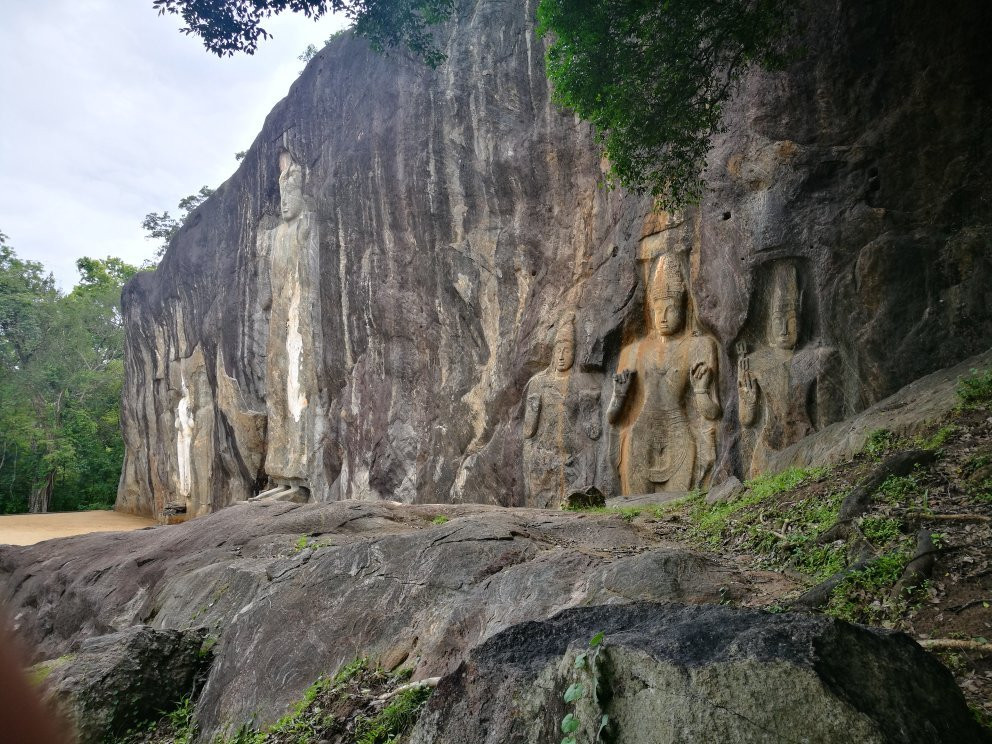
<point x="294" y="419"/>
<point x="782" y="375"/>
<point x="665" y="400"/>
<point x="562" y="425"/>
<point x="193" y="415"/>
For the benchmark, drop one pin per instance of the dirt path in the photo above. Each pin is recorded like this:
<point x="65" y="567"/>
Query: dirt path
<point x="28" y="529"/>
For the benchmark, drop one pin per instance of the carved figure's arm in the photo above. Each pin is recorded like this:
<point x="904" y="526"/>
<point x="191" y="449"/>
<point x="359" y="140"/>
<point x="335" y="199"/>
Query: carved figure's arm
<point x="704" y="388"/>
<point x="621" y="387"/>
<point x="532" y="413"/>
<point x="747" y="393"/>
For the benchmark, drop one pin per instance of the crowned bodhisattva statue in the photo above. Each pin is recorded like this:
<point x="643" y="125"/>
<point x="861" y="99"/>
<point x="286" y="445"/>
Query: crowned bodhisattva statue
<point x="665" y="396"/>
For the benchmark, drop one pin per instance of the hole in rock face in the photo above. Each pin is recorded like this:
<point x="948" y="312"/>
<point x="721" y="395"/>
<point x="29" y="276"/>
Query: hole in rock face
<point x="616" y="249"/>
<point x="533" y="273"/>
<point x="726" y="215"/>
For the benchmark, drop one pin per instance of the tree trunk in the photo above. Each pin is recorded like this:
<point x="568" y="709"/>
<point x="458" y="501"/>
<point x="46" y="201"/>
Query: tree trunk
<point x="42" y="495"/>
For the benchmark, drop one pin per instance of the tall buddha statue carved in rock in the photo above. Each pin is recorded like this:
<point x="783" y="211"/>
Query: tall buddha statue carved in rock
<point x="290" y="365"/>
<point x="779" y="397"/>
<point x="562" y="426"/>
<point x="665" y="396"/>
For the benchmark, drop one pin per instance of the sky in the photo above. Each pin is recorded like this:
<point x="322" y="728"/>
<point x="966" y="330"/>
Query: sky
<point x="108" y="113"/>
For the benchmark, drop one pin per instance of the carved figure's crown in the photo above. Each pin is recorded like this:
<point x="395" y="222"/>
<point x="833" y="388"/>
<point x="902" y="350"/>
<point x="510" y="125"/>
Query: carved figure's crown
<point x="785" y="287"/>
<point x="667" y="280"/>
<point x="292" y="175"/>
<point x="566" y="324"/>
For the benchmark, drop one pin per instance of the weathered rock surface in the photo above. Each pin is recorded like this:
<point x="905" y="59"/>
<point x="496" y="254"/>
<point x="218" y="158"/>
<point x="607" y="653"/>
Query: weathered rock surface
<point x="907" y="413"/>
<point x="120" y="681"/>
<point x="670" y="674"/>
<point x="451" y="219"/>
<point x="297" y="591"/>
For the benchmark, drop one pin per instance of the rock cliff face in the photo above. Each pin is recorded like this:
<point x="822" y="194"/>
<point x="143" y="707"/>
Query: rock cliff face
<point x="415" y="289"/>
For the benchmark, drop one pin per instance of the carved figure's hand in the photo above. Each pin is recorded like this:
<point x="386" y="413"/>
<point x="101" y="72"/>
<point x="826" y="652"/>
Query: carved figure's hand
<point x="747" y="392"/>
<point x="702" y="375"/>
<point x="746" y="385"/>
<point x="621" y="383"/>
<point x="622" y="380"/>
<point x="532" y="412"/>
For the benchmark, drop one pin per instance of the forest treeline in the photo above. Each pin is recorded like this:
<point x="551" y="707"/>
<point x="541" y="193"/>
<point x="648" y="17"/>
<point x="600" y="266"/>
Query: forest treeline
<point x="61" y="372"/>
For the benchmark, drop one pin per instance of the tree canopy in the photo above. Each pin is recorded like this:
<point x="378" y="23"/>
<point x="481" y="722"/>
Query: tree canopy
<point x="61" y="372"/>
<point x="652" y="77"/>
<point x="236" y="25"/>
<point x="164" y="226"/>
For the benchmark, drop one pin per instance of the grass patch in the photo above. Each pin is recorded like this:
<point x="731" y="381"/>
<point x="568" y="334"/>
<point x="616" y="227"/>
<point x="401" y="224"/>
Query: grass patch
<point x="938" y="439"/>
<point x="305" y="541"/>
<point x="901" y="490"/>
<point x="880" y="530"/>
<point x="982" y="491"/>
<point x="180" y="721"/>
<point x="865" y="596"/>
<point x="397" y="717"/>
<point x="878" y="443"/>
<point x="977" y="472"/>
<point x="781" y="531"/>
<point x="345" y="708"/>
<point x="440" y="519"/>
<point x="975" y="390"/>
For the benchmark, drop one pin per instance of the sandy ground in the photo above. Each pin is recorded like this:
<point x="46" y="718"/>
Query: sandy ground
<point x="28" y="529"/>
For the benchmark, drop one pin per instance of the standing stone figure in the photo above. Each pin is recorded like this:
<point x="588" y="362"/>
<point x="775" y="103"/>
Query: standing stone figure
<point x="776" y="384"/>
<point x="290" y="365"/>
<point x="562" y="425"/>
<point x="665" y="396"/>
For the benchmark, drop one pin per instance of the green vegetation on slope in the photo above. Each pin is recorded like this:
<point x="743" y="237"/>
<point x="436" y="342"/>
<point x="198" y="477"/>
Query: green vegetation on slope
<point x="359" y="705"/>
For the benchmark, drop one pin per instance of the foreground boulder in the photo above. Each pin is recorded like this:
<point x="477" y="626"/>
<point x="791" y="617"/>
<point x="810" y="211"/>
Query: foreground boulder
<point x="120" y="681"/>
<point x="670" y="673"/>
<point x="297" y="591"/>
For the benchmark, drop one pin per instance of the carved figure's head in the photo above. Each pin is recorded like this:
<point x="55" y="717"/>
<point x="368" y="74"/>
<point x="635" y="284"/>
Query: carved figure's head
<point x="667" y="297"/>
<point x="290" y="190"/>
<point x="783" y="320"/>
<point x="564" y="353"/>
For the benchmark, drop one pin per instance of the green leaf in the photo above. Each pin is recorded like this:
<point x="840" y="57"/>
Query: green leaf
<point x="580" y="661"/>
<point x="569" y="724"/>
<point x="603" y="723"/>
<point x="574" y="692"/>
<point x="568" y="740"/>
<point x="597" y="639"/>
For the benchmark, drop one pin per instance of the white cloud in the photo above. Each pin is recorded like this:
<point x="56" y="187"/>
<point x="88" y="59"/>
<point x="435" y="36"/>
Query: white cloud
<point x="110" y="113"/>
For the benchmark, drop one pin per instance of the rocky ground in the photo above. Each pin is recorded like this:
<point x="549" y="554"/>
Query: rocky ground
<point x="275" y="599"/>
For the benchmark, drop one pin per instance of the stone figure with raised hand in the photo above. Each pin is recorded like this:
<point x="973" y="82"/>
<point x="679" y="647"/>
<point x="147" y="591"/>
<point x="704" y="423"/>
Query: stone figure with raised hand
<point x="665" y="396"/>
<point x="291" y="359"/>
<point x="776" y="384"/>
<point x="562" y="425"/>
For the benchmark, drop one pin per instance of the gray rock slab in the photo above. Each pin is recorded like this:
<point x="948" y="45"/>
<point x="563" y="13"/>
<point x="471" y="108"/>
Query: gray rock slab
<point x="728" y="490"/>
<point x="296" y="591"/>
<point x="672" y="674"/>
